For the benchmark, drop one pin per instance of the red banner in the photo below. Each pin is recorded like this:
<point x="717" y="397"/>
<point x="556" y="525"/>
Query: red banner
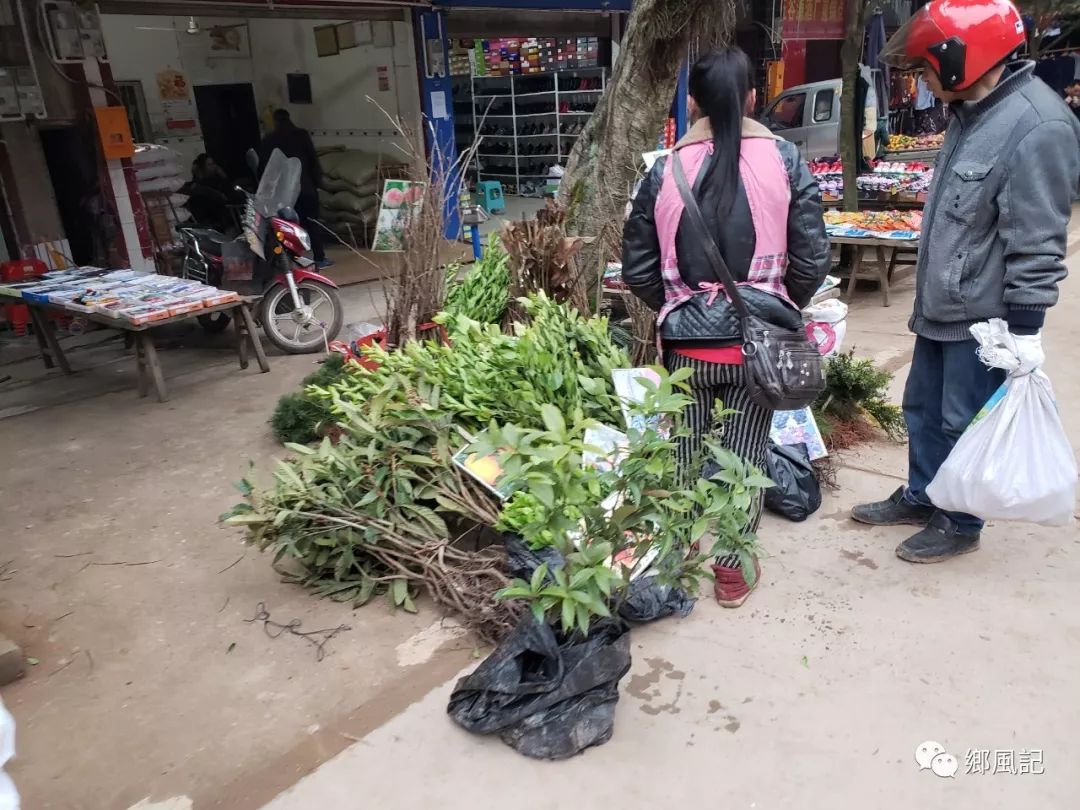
<point x="813" y="19"/>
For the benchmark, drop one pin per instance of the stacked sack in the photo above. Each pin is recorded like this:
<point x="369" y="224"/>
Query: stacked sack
<point x="157" y="169"/>
<point x="159" y="178"/>
<point x="350" y="187"/>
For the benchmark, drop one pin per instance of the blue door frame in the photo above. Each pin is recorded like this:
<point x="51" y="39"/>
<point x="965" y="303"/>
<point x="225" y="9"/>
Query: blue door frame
<point x="433" y="69"/>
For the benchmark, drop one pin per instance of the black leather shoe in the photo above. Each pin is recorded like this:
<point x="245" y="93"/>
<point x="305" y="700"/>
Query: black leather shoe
<point x="894" y="512"/>
<point x="938" y="542"/>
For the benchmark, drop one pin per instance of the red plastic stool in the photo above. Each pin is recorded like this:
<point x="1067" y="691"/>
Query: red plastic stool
<point x="18" y="317"/>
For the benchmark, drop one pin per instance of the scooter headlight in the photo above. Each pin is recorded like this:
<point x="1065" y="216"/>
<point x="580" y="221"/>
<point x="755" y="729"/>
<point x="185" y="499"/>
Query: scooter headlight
<point x="305" y="239"/>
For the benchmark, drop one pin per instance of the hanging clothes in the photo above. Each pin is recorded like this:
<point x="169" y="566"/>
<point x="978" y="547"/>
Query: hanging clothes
<point x="924" y="99"/>
<point x="875" y="44"/>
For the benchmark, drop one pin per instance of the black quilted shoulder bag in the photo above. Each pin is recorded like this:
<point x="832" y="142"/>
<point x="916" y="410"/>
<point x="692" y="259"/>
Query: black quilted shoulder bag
<point x="784" y="371"/>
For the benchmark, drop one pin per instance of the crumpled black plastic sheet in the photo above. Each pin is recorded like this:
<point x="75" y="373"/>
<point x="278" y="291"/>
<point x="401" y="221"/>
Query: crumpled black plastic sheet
<point x="547" y="697"/>
<point x="797" y="493"/>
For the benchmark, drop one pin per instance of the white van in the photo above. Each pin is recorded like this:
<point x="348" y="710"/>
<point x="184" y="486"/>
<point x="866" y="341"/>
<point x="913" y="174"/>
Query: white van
<point x="809" y="116"/>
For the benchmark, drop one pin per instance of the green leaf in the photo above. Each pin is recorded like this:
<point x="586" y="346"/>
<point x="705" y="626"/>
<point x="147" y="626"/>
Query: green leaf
<point x="700" y="527"/>
<point x="538" y="577"/>
<point x="553" y="419"/>
<point x="301" y="449"/>
<point x="759" y="481"/>
<point x="244" y="487"/>
<point x="581" y="577"/>
<point x="583" y="618"/>
<point x="400" y="591"/>
<point x="367" y="589"/>
<point x="597" y="606"/>
<point x="746" y="562"/>
<point x="568" y="614"/>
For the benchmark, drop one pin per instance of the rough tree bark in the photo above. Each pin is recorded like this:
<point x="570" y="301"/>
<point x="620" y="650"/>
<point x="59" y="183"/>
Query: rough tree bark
<point x="630" y="117"/>
<point x="850" y="52"/>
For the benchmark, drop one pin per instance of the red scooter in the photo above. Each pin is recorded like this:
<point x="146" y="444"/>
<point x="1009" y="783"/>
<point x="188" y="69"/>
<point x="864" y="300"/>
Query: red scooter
<point x="300" y="310"/>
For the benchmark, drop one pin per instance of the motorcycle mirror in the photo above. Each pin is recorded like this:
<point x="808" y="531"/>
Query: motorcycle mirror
<point x="252" y="159"/>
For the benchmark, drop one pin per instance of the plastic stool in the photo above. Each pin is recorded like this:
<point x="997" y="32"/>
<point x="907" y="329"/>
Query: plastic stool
<point x="489" y="196"/>
<point x="18" y="317"/>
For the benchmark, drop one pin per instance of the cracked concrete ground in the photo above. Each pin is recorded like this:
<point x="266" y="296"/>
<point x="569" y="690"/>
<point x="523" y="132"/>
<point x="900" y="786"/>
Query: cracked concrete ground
<point x="153" y="691"/>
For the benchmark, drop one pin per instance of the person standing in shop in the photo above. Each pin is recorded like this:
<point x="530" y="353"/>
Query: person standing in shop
<point x="993" y="241"/>
<point x="295" y="142"/>
<point x="762" y="207"/>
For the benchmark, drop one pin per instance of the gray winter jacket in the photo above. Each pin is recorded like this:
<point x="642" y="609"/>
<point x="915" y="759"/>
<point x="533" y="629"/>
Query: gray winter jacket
<point x="994" y="229"/>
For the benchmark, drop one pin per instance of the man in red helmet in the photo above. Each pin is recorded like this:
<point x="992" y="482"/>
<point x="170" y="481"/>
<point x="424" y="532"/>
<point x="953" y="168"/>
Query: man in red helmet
<point x="993" y="241"/>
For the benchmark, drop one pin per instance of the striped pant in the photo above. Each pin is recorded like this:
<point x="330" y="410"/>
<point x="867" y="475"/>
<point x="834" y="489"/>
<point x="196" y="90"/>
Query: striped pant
<point x="745" y="433"/>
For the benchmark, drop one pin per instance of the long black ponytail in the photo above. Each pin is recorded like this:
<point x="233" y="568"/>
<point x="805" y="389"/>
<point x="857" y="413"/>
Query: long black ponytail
<point x="720" y="85"/>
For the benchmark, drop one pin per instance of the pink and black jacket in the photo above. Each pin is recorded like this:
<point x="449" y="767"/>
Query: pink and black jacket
<point x="773" y="240"/>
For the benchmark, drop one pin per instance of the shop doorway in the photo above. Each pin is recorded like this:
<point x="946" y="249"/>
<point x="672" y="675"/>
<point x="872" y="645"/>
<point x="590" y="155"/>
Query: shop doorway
<point x="73" y="175"/>
<point x="230" y="124"/>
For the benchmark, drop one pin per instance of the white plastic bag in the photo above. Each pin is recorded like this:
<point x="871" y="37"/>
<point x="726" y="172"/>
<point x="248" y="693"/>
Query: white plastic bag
<point x="826" y="325"/>
<point x="9" y="797"/>
<point x="1014" y="462"/>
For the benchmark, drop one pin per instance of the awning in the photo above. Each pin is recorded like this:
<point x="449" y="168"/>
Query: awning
<point x="304" y="9"/>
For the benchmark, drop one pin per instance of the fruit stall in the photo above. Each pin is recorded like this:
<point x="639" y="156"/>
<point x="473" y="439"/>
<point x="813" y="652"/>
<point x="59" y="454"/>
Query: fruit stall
<point x="914" y="147"/>
<point x="883" y="240"/>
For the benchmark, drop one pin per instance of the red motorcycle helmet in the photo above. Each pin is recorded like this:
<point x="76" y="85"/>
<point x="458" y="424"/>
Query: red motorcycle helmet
<point x="959" y="39"/>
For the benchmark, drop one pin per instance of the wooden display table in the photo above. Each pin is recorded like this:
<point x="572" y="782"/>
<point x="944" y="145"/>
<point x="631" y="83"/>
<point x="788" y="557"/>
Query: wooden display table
<point x="884" y="253"/>
<point x="146" y="358"/>
<point x="909" y="155"/>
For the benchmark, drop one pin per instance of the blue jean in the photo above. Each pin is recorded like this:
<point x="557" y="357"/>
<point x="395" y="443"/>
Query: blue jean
<point x="947" y="386"/>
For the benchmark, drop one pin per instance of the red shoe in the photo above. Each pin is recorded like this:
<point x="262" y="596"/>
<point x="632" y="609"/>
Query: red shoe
<point x="731" y="588"/>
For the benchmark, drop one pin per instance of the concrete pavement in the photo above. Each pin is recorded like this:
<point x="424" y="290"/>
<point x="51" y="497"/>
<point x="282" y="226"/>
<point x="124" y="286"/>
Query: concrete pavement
<point x="818" y="691"/>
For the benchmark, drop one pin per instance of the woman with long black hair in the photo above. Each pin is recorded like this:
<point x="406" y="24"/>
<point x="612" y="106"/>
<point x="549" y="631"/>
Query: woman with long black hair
<point x="763" y="209"/>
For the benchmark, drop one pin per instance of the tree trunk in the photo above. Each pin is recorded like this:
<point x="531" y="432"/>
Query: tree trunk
<point x="630" y="118"/>
<point x="849" y="115"/>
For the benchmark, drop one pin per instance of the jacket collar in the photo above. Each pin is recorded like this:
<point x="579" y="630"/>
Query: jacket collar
<point x="1015" y="77"/>
<point x="702" y="131"/>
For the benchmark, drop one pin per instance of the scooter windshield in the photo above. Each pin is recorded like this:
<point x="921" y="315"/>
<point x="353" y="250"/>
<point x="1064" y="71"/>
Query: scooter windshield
<point x="280" y="184"/>
<point x="278" y="188"/>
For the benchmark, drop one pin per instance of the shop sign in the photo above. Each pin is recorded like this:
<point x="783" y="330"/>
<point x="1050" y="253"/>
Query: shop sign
<point x="813" y="19"/>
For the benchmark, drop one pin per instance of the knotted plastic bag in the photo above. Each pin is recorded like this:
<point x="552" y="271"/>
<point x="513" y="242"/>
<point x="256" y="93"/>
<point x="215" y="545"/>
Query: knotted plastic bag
<point x="1014" y="461"/>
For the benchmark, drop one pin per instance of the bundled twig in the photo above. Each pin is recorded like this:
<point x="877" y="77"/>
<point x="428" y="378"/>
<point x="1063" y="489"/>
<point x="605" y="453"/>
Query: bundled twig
<point x="543" y="257"/>
<point x="459" y="580"/>
<point x="642" y="330"/>
<point x="416" y="286"/>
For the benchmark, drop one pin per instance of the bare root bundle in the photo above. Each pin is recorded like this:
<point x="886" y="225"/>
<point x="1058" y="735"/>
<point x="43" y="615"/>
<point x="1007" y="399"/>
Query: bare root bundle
<point x="825" y="470"/>
<point x="843" y="434"/>
<point x="460" y="581"/>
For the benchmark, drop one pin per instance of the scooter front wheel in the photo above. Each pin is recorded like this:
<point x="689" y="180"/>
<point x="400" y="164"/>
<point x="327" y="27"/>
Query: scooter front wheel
<point x="305" y="329"/>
